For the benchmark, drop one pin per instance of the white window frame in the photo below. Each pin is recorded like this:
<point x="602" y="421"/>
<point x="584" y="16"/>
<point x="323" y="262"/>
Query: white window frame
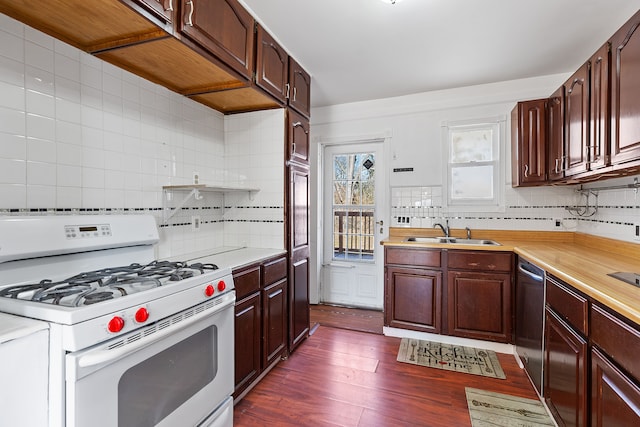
<point x="498" y="126"/>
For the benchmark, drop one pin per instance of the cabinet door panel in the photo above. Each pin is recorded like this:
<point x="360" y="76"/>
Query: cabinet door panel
<point x="247" y="342"/>
<point x="299" y="88"/>
<point x="479" y="305"/>
<point x="529" y="139"/>
<point x="275" y="321"/>
<point x="298" y="137"/>
<point x="555" y="141"/>
<point x="272" y="65"/>
<point x="625" y="92"/>
<point x="599" y="136"/>
<point x="576" y="121"/>
<point x="565" y="372"/>
<point x="222" y="27"/>
<point x="615" y="399"/>
<point x="414" y="299"/>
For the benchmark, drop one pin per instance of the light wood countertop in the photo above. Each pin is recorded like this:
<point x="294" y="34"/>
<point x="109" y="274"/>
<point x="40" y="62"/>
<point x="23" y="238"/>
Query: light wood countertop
<point x="581" y="260"/>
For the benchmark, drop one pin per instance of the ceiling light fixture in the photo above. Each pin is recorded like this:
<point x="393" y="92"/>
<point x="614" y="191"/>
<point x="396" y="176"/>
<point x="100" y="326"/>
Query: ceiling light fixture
<point x="391" y="1"/>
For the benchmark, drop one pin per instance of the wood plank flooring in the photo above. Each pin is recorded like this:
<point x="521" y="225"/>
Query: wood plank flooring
<point x="355" y="319"/>
<point x="339" y="377"/>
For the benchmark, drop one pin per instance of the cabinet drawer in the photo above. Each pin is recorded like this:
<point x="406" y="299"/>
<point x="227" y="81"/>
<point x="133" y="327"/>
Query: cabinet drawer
<point x="274" y="270"/>
<point x="417" y="257"/>
<point x="569" y="305"/>
<point x="478" y="260"/>
<point x="247" y="281"/>
<point x="618" y="339"/>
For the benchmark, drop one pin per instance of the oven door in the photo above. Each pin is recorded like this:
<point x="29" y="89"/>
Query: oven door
<point x="176" y="375"/>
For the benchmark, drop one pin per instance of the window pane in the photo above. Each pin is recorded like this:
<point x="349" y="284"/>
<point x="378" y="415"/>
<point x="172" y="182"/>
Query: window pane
<point x="340" y="193"/>
<point x="472" y="182"/>
<point x="471" y="145"/>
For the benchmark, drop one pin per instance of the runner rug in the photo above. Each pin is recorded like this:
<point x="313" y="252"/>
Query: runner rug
<point x="488" y="409"/>
<point x="450" y="357"/>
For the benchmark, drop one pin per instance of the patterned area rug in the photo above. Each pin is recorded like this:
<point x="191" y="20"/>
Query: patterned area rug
<point x="450" y="357"/>
<point x="488" y="409"/>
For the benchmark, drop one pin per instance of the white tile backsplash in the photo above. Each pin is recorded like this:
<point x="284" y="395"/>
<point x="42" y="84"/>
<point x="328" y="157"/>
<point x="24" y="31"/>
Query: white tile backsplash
<point x="78" y="134"/>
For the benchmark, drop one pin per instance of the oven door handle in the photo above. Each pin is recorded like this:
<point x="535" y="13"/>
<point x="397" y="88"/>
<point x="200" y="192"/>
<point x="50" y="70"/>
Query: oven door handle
<point x="104" y="356"/>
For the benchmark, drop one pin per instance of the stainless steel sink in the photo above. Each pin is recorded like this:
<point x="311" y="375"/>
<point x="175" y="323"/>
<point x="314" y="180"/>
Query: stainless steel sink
<point x="452" y="241"/>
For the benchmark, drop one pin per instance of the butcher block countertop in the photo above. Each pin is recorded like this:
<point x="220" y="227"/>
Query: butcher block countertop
<point x="583" y="261"/>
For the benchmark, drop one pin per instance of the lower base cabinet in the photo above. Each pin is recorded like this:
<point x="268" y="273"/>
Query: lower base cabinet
<point x="260" y="320"/>
<point x="565" y="369"/>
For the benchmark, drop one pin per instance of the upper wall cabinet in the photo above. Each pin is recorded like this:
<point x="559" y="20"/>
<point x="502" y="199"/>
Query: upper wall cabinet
<point x="625" y="93"/>
<point x="272" y="65"/>
<point x="299" y="88"/>
<point x="528" y="139"/>
<point x="298" y="138"/>
<point x="600" y="130"/>
<point x="222" y="27"/>
<point x="576" y="135"/>
<point x="555" y="135"/>
<point x="95" y="26"/>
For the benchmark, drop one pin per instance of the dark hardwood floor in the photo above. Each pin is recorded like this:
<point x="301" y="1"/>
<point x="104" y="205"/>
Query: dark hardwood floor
<point x="339" y="377"/>
<point x="355" y="319"/>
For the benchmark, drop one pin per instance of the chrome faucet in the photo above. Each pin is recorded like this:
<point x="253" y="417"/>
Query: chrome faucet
<point x="445" y="228"/>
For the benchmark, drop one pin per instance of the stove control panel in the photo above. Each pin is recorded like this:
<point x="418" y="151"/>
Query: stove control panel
<point x="87" y="231"/>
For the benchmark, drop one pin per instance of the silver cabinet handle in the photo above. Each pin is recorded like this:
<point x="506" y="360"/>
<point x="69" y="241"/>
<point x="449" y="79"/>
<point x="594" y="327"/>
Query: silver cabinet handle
<point x="170" y="8"/>
<point x="190" y="16"/>
<point x="556" y="168"/>
<point x="526" y="171"/>
<point x="293" y="148"/>
<point x="288" y="88"/>
<point x="295" y="91"/>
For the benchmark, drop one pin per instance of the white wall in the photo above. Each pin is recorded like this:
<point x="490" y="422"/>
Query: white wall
<point x="78" y="135"/>
<point x="414" y="123"/>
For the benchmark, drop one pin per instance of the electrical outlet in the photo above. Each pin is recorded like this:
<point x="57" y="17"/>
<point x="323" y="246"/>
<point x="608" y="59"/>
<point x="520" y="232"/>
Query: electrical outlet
<point x="196" y="178"/>
<point x="557" y="223"/>
<point x="636" y="232"/>
<point x="195" y="223"/>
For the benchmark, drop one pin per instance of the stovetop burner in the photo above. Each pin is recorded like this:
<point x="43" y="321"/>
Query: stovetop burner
<point x="101" y="285"/>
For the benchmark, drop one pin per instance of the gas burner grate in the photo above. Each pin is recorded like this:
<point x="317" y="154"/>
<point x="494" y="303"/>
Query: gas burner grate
<point x="96" y="286"/>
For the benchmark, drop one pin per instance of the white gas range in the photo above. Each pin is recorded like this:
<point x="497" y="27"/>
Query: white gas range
<point x="133" y="341"/>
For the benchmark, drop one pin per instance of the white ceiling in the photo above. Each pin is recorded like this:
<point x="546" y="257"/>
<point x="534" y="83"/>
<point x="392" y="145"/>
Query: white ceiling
<point x="359" y="50"/>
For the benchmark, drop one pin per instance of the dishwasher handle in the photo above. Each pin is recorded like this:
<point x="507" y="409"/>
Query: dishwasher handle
<point x="522" y="268"/>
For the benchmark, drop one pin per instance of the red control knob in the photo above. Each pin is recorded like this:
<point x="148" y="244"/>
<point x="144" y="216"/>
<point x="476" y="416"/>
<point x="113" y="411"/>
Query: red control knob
<point x="116" y="324"/>
<point x="142" y="315"/>
<point x="209" y="290"/>
<point x="222" y="286"/>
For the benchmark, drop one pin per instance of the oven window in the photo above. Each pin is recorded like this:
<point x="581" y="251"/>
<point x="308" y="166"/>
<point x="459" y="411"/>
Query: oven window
<point x="151" y="390"/>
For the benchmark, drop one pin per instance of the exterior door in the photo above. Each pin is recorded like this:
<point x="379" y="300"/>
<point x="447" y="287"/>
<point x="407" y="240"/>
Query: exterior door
<point x="354" y="182"/>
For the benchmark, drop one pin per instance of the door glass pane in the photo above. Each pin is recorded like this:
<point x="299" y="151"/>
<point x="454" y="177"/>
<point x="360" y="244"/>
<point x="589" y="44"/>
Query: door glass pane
<point x="353" y="209"/>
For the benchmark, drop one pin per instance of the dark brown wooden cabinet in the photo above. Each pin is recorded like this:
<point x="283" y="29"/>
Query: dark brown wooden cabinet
<point x="298" y="214"/>
<point x="565" y="371"/>
<point x="625" y="93"/>
<point x="297" y="138"/>
<point x="274" y="310"/>
<point x="260" y="320"/>
<point x="299" y="93"/>
<point x="248" y="330"/>
<point x="600" y="104"/>
<point x="413" y="299"/>
<point x="576" y="113"/>
<point x="163" y="10"/>
<point x="272" y="65"/>
<point x="222" y="27"/>
<point x="615" y="398"/>
<point x="475" y="301"/>
<point x="479" y="295"/>
<point x="529" y="143"/>
<point x="555" y="135"/>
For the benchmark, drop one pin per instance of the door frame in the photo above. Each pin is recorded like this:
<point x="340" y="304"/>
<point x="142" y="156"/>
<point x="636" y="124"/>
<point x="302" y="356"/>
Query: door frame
<point x="317" y="224"/>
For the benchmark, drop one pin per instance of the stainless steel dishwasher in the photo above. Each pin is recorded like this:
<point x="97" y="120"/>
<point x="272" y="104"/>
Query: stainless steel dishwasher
<point x="530" y="319"/>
